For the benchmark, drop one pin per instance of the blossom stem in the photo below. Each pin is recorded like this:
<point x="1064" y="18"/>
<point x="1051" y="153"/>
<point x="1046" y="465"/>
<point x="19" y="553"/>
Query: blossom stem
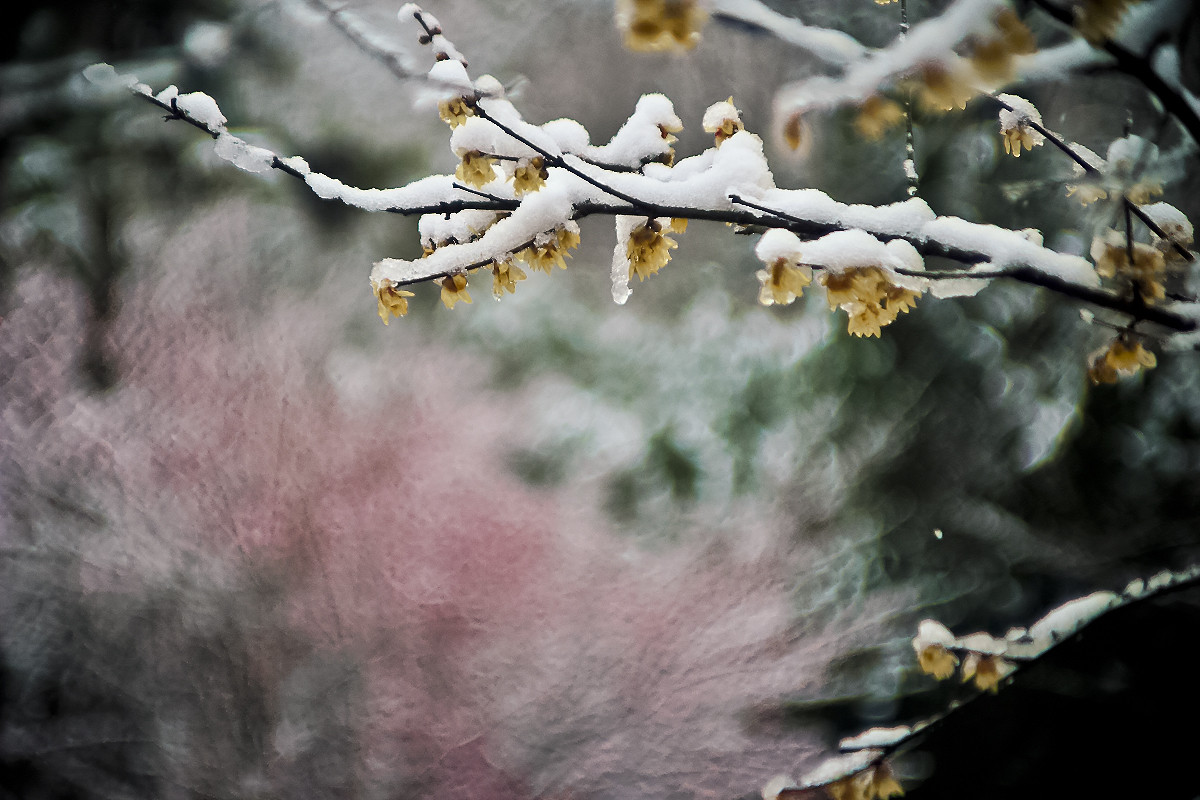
<point x="1139" y="68"/>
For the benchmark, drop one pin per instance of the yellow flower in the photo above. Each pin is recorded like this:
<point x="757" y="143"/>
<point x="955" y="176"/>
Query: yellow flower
<point x="1111" y="256"/>
<point x="530" y="177"/>
<point x="567" y="238"/>
<point x="884" y="784"/>
<point x="505" y="275"/>
<point x="679" y="225"/>
<point x="454" y="289"/>
<point x="1122" y="359"/>
<point x="455" y="112"/>
<point x="782" y="282"/>
<point x="986" y="670"/>
<point x="652" y="25"/>
<point x="936" y="660"/>
<point x="393" y="302"/>
<point x="1141" y="192"/>
<point x="943" y="88"/>
<point x="794" y="131"/>
<point x="1087" y="193"/>
<point x="723" y="120"/>
<point x="1021" y="135"/>
<point x="868" y="297"/>
<point x="648" y="250"/>
<point x="876" y="115"/>
<point x="852" y="787"/>
<point x="1097" y="20"/>
<point x="992" y="57"/>
<point x="476" y="169"/>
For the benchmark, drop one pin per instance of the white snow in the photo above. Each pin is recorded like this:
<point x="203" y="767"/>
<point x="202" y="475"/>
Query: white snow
<point x="840" y="766"/>
<point x="876" y="737"/>
<point x="1070" y="617"/>
<point x="244" y="155"/>
<point x="202" y="109"/>
<point x="831" y="46"/>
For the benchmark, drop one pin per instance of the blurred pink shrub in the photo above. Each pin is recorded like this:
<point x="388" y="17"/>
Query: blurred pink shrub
<point x="304" y="595"/>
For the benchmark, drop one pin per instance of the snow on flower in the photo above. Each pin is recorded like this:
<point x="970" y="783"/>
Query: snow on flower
<point x="1015" y="126"/>
<point x="932" y="645"/>
<point x="723" y="120"/>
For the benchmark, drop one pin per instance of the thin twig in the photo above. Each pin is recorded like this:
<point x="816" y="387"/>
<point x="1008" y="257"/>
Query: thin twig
<point x="1139" y="68"/>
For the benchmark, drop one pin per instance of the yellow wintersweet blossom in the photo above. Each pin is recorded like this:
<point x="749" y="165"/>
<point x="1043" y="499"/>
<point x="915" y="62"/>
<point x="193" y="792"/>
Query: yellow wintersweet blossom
<point x="986" y="670"/>
<point x="1147" y="271"/>
<point x="454" y="289"/>
<point x="992" y="57"/>
<point x="794" y="130"/>
<point x="648" y="250"/>
<point x="1122" y="359"/>
<point x="546" y="256"/>
<point x="1086" y="193"/>
<point x="876" y="115"/>
<point x="941" y="87"/>
<point x="455" y="112"/>
<point x="679" y="225"/>
<point x="936" y="660"/>
<point x="852" y="787"/>
<point x="884" y="784"/>
<point x="782" y="282"/>
<point x="393" y="302"/>
<point x="530" y="177"/>
<point x="723" y="120"/>
<point x="655" y="25"/>
<point x="868" y="297"/>
<point x="505" y="275"/>
<point x="1141" y="192"/>
<point x="1097" y="20"/>
<point x="1020" y="136"/>
<point x="476" y="169"/>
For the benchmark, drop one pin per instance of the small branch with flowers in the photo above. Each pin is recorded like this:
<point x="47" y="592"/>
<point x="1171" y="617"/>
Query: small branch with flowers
<point x="520" y="189"/>
<point x="866" y="767"/>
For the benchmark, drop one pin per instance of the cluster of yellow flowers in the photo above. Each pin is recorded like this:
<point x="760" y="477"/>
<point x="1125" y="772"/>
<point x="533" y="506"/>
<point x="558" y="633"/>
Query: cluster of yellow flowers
<point x="1146" y="272"/>
<point x="984" y="669"/>
<point x="932" y="645"/>
<point x="1097" y="20"/>
<point x="653" y="25"/>
<point x="872" y="783"/>
<point x="649" y="249"/>
<point x="530" y="176"/>
<point x="454" y="112"/>
<point x="868" y="297"/>
<point x="542" y="255"/>
<point x="946" y="85"/>
<point x="1121" y="359"/>
<point x="545" y="256"/>
<point x="476" y="169"/>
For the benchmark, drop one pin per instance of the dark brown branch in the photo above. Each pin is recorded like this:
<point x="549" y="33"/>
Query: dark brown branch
<point x="1138" y="67"/>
